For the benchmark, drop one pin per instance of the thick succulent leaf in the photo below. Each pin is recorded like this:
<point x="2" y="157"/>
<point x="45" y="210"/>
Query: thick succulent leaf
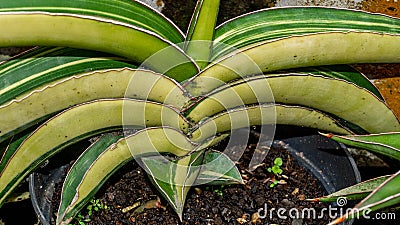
<point x="265" y="114"/>
<point x="278" y="23"/>
<point x="355" y="192"/>
<point x="218" y="169"/>
<point x="61" y="29"/>
<point x="298" y="51"/>
<point x="81" y="122"/>
<point x="387" y="144"/>
<point x="82" y="164"/>
<point x="329" y="95"/>
<point x="28" y="109"/>
<point x="100" y="161"/>
<point x="177" y="177"/>
<point x="384" y="196"/>
<point x="198" y="43"/>
<point x="41" y="66"/>
<point x="13" y="145"/>
<point x="344" y="72"/>
<point x="131" y="12"/>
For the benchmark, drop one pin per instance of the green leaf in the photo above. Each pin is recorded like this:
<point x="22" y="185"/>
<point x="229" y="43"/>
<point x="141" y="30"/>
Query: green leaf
<point x="279" y="23"/>
<point x="97" y="164"/>
<point x="174" y="178"/>
<point x="83" y="163"/>
<point x="28" y="109"/>
<point x="218" y="169"/>
<point x="12" y="146"/>
<point x="387" y="144"/>
<point x="276" y="170"/>
<point x="106" y="35"/>
<point x="42" y="66"/>
<point x="329" y="95"/>
<point x="355" y="192"/>
<point x="134" y="13"/>
<point x="198" y="42"/>
<point x="343" y="72"/>
<point x="384" y="196"/>
<point x="300" y="51"/>
<point x="264" y="114"/>
<point x="278" y="162"/>
<point x="77" y="123"/>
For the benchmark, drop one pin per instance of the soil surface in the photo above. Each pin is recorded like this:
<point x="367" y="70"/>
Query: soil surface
<point x="234" y="204"/>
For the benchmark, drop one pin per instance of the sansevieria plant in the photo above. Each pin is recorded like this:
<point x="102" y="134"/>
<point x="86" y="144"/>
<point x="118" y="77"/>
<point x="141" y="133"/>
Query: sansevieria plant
<point x="109" y="65"/>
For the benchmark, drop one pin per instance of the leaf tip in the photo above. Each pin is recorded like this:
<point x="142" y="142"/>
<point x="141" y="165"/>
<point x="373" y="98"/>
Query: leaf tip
<point x="312" y="200"/>
<point x="326" y="135"/>
<point x="338" y="220"/>
<point x="180" y="215"/>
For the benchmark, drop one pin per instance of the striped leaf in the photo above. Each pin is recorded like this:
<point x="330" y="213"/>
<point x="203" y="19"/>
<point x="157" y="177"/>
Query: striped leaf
<point x="387" y="144"/>
<point x="134" y="13"/>
<point x="265" y="114"/>
<point x="280" y="23"/>
<point x="344" y="72"/>
<point x="45" y="65"/>
<point x="81" y="122"/>
<point x="325" y="94"/>
<point x="198" y="42"/>
<point x="93" y="168"/>
<point x="21" y="28"/>
<point x="385" y="195"/>
<point x="355" y="192"/>
<point x="13" y="145"/>
<point x="37" y="105"/>
<point x="177" y="177"/>
<point x="82" y="164"/>
<point x="218" y="169"/>
<point x="300" y="51"/>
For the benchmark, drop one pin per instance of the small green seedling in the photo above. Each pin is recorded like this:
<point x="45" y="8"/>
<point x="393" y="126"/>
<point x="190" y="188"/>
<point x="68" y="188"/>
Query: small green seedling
<point x="275" y="182"/>
<point x="219" y="190"/>
<point x="94" y="206"/>
<point x="276" y="169"/>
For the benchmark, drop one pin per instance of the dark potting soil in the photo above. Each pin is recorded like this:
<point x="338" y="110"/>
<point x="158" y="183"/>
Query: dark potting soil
<point x="234" y="204"/>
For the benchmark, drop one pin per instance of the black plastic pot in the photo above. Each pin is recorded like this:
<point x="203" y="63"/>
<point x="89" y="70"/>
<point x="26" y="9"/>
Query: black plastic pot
<point x="327" y="160"/>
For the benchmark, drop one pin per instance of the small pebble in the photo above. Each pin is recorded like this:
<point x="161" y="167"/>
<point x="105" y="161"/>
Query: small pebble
<point x="297" y="222"/>
<point x="198" y="191"/>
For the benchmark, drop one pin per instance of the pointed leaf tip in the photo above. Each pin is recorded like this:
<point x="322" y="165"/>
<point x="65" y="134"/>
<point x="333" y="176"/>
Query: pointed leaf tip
<point x="326" y="135"/>
<point x="316" y="200"/>
<point x="337" y="221"/>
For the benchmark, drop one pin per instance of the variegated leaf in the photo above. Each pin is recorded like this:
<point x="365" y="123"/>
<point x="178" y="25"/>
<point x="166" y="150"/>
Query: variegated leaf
<point x="93" y="168"/>
<point x="173" y="179"/>
<point x="387" y="144"/>
<point x="77" y="123"/>
<point x="385" y="195"/>
<point x="355" y="192"/>
<point x="218" y="169"/>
